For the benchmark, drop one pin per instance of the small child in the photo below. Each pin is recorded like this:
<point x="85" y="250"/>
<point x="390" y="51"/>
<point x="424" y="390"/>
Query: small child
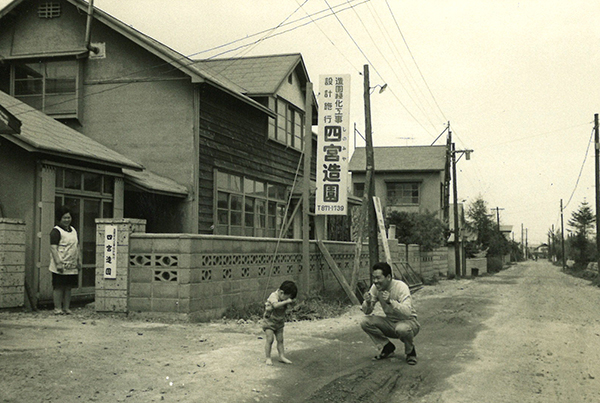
<point x="274" y="318"/>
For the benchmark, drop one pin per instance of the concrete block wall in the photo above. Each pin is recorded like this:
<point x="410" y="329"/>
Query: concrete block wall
<point x="434" y="264"/>
<point x="12" y="263"/>
<point x="201" y="276"/>
<point x="343" y="255"/>
<point x="476" y="266"/>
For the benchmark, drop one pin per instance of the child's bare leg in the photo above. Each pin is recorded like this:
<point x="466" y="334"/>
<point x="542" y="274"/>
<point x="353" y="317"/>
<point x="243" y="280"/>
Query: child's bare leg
<point x="268" y="344"/>
<point x="281" y="348"/>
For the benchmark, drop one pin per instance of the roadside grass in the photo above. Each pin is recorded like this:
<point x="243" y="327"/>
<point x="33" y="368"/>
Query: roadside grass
<point x="584" y="273"/>
<point x="311" y="308"/>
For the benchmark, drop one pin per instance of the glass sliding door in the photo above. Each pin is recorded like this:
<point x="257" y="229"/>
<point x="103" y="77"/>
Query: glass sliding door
<point x="89" y="195"/>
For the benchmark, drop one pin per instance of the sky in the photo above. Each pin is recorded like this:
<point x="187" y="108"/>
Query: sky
<point x="518" y="82"/>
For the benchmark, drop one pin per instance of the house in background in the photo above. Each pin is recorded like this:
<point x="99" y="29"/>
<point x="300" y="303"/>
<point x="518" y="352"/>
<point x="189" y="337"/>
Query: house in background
<point x="221" y="142"/>
<point x="506" y="230"/>
<point x="412" y="179"/>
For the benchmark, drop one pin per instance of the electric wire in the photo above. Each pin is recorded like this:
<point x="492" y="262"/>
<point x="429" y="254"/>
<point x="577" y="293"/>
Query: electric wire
<point x="331" y="41"/>
<point x="414" y="60"/>
<point x="411" y="82"/>
<point x="187" y="61"/>
<point x="580" y="171"/>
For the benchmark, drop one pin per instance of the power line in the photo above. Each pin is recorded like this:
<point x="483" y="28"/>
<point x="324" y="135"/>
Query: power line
<point x="402" y="65"/>
<point x="187" y="61"/>
<point x="331" y="41"/>
<point x="414" y="60"/>
<point x="581" y="170"/>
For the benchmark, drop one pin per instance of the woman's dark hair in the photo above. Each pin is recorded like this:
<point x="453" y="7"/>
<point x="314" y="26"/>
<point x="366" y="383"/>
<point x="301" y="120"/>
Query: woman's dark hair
<point x="385" y="268"/>
<point x="61" y="211"/>
<point x="289" y="287"/>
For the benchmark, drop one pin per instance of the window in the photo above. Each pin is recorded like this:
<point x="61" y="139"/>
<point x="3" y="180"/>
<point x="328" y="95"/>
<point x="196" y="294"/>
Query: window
<point x="399" y="193"/>
<point x="48" y="86"/>
<point x="248" y="207"/>
<point x="359" y="189"/>
<point x="90" y="195"/>
<point x="288" y="127"/>
<point x="49" y="10"/>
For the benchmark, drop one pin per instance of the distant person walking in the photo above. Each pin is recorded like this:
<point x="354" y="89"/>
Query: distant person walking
<point x="400" y="320"/>
<point x="65" y="260"/>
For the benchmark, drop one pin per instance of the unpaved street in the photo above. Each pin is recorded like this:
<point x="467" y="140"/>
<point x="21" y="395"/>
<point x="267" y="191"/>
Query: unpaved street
<point x="527" y="334"/>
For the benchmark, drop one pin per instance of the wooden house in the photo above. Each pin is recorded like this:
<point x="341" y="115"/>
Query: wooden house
<point x="220" y="141"/>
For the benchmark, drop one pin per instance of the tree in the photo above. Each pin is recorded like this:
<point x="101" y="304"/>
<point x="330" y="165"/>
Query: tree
<point x="582" y="222"/>
<point x="422" y="229"/>
<point x="488" y="235"/>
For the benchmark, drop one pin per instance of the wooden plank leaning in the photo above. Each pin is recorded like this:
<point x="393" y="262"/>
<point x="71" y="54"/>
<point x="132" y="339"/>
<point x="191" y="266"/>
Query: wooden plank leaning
<point x="383" y="234"/>
<point x="338" y="273"/>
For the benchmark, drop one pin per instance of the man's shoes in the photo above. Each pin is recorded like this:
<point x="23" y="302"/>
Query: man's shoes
<point x="411" y="358"/>
<point x="386" y="351"/>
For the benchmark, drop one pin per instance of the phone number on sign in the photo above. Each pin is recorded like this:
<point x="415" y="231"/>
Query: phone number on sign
<point x="330" y="208"/>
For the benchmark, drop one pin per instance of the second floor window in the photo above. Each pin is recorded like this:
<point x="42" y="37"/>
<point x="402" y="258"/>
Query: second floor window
<point x="402" y="193"/>
<point x="288" y="127"/>
<point x="48" y="86"/>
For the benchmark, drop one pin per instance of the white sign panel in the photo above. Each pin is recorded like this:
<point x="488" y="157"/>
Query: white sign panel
<point x="110" y="252"/>
<point x="332" y="145"/>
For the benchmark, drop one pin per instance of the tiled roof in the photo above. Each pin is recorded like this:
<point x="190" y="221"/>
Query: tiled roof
<point x="401" y="159"/>
<point x="41" y="133"/>
<point x="257" y="75"/>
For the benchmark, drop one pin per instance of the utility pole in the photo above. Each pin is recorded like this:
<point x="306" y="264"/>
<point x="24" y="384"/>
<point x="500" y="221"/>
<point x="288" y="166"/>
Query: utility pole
<point x="522" y="242"/>
<point x="596" y="175"/>
<point x="526" y="243"/>
<point x="498" y="216"/>
<point x="562" y="235"/>
<point x="457" y="262"/>
<point x="552" y="245"/>
<point x="370" y="168"/>
<point x="306" y="191"/>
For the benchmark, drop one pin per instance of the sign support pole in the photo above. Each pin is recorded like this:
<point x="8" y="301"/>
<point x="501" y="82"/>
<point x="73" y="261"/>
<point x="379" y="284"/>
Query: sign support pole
<point x="306" y="192"/>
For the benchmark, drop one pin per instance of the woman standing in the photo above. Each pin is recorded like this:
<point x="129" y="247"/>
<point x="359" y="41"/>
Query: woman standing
<point x="65" y="260"/>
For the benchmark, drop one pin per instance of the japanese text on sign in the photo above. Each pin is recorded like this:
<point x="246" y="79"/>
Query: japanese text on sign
<point x="332" y="145"/>
<point x="110" y="252"/>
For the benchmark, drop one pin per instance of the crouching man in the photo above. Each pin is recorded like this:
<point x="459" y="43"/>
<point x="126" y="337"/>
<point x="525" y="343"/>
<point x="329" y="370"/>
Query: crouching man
<point x="400" y="320"/>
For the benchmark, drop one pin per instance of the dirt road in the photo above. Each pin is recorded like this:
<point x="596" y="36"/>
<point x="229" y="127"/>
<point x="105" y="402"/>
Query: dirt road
<point x="527" y="334"/>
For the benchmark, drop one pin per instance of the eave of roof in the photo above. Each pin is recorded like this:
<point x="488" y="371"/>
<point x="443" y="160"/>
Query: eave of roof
<point x="9" y="124"/>
<point x="42" y="134"/>
<point x="151" y="182"/>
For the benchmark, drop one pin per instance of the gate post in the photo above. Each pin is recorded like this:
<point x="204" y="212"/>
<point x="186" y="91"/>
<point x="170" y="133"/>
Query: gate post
<point x="112" y="284"/>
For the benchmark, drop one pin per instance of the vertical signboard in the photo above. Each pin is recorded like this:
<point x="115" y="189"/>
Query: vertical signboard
<point x="332" y="145"/>
<point x="110" y="252"/>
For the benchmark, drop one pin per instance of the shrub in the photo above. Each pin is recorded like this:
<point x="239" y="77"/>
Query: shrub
<point x="494" y="264"/>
